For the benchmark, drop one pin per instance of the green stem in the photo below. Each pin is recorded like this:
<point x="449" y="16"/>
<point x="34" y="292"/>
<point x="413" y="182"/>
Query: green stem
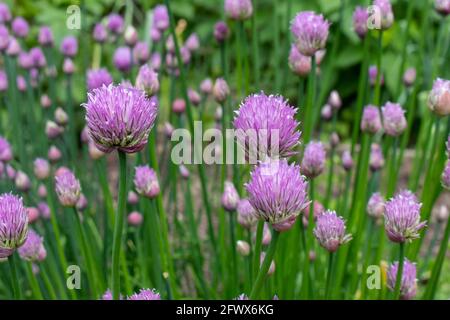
<point x="233" y="249"/>
<point x="377" y="95"/>
<point x="329" y="275"/>
<point x="255" y="51"/>
<point x="118" y="226"/>
<point x="33" y="281"/>
<point x="307" y="281"/>
<point x="307" y="122"/>
<point x="398" y="279"/>
<point x="265" y="266"/>
<point x="14" y="280"/>
<point x="258" y="243"/>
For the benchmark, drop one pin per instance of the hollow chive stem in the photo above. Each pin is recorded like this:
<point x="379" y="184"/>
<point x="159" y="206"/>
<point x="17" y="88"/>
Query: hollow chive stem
<point x="17" y="292"/>
<point x="258" y="243"/>
<point x="329" y="275"/>
<point x="265" y="266"/>
<point x="398" y="279"/>
<point x="309" y="112"/>
<point x="377" y="93"/>
<point x="118" y="225"/>
<point x="33" y="281"/>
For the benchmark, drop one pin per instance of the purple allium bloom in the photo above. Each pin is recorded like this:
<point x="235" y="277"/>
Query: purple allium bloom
<point x="247" y="216"/>
<point x="376" y="157"/>
<point x="135" y="219"/>
<point x="272" y="118"/>
<point x="206" y="86"/>
<point x="146" y="181"/>
<point x="42" y="191"/>
<point x="107" y="295"/>
<point x="402" y="217"/>
<point x="192" y="42"/>
<point x="155" y="60"/>
<point x="155" y="34"/>
<point x="96" y="78"/>
<point x="313" y="159"/>
<point x="120" y="118"/>
<point x="394" y="120"/>
<point x="178" y="106"/>
<point x="115" y="23"/>
<point x="238" y="9"/>
<point x="13" y="47"/>
<point x="410" y="76"/>
<point x="33" y="214"/>
<point x="53" y="130"/>
<point x="371" y="119"/>
<point x="375" y="206"/>
<point x="67" y="188"/>
<point x="69" y="46"/>
<point x="334" y="100"/>
<point x="132" y="198"/>
<point x="44" y="210"/>
<point x="10" y="172"/>
<point x="373" y="71"/>
<point x="441" y="6"/>
<point x="278" y="193"/>
<point x="408" y="285"/>
<point x="54" y="154"/>
<point x="347" y="160"/>
<point x="439" y="97"/>
<point x="5" y="150"/>
<point x="25" y="60"/>
<point x="147" y="80"/>
<point x="230" y="197"/>
<point x="122" y="59"/>
<point x="387" y="16"/>
<point x="299" y="63"/>
<point x="221" y="90"/>
<point x="99" y="33"/>
<point x="21" y="83"/>
<point x="20" y="27"/>
<point x="41" y="168"/>
<point x="13" y="224"/>
<point x="37" y="57"/>
<point x="445" y="177"/>
<point x="4" y="37"/>
<point x="82" y="203"/>
<point x="3" y="81"/>
<point x="310" y="32"/>
<point x="32" y="249"/>
<point x="194" y="97"/>
<point x="330" y="231"/>
<point x="141" y="53"/>
<point x="68" y="66"/>
<point x="185" y="55"/>
<point x="221" y="31"/>
<point x="130" y="36"/>
<point x="145" y="294"/>
<point x="360" y="17"/>
<point x="334" y="140"/>
<point x="45" y="37"/>
<point x="5" y="14"/>
<point x="45" y="101"/>
<point x="22" y="181"/>
<point x="160" y="17"/>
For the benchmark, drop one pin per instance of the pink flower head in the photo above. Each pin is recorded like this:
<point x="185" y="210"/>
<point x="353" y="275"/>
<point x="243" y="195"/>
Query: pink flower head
<point x="330" y="231"/>
<point x="310" y="32"/>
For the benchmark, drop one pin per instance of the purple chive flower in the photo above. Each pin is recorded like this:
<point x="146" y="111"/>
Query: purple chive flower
<point x="45" y="37"/>
<point x="278" y="193"/>
<point x="5" y="150"/>
<point x="115" y="23"/>
<point x="330" y="231"/>
<point x="99" y="33"/>
<point x="82" y="203"/>
<point x="33" y="248"/>
<point x="44" y="210"/>
<point x="120" y="118"/>
<point x="318" y="210"/>
<point x="439" y="97"/>
<point x="221" y="31"/>
<point x="408" y="284"/>
<point x="375" y="206"/>
<point x="13" y="224"/>
<point x="402" y="217"/>
<point x="371" y="120"/>
<point x="135" y="219"/>
<point x="132" y="198"/>
<point x="4" y="37"/>
<point x="334" y="100"/>
<point x="192" y="42"/>
<point x="185" y="55"/>
<point x="67" y="188"/>
<point x="21" y="83"/>
<point x="53" y="130"/>
<point x="347" y="160"/>
<point x="271" y="118"/>
<point x="394" y="120"/>
<point x="155" y="60"/>
<point x="247" y="216"/>
<point x="445" y="177"/>
<point x="387" y="16"/>
<point x="42" y="191"/>
<point x="230" y="197"/>
<point x="206" y="86"/>
<point x="155" y="34"/>
<point x="122" y="59"/>
<point x="299" y="63"/>
<point x="37" y="57"/>
<point x="3" y="81"/>
<point x="146" y="182"/>
<point x="334" y="140"/>
<point x="68" y="66"/>
<point x="54" y="154"/>
<point x="22" y="181"/>
<point x="313" y="159"/>
<point x="141" y="53"/>
<point x="41" y="168"/>
<point x="360" y="17"/>
<point x="13" y="47"/>
<point x="238" y="9"/>
<point x="194" y="97"/>
<point x="10" y="172"/>
<point x="45" y="101"/>
<point x="69" y="46"/>
<point x="221" y="90"/>
<point x="310" y="32"/>
<point x="178" y="106"/>
<point x="5" y="14"/>
<point x="20" y="27"/>
<point x="410" y="76"/>
<point x="373" y="72"/>
<point x="33" y="214"/>
<point x="147" y="80"/>
<point x="160" y="17"/>
<point x="441" y="6"/>
<point x="145" y="294"/>
<point x="376" y="157"/>
<point x="25" y="60"/>
<point x="96" y="78"/>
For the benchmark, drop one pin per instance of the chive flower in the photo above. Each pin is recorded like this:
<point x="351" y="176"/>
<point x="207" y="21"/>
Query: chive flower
<point x="45" y="37"/>
<point x="247" y="216"/>
<point x="6" y="154"/>
<point x="146" y="181"/>
<point x="67" y="188"/>
<point x="347" y="160"/>
<point x="445" y="177"/>
<point x="161" y="17"/>
<point x="439" y="97"/>
<point x="310" y="32"/>
<point x="221" y="31"/>
<point x="230" y="197"/>
<point x="99" y="33"/>
<point x="360" y="17"/>
<point x="375" y="206"/>
<point x="371" y="120"/>
<point x="147" y="80"/>
<point x="376" y="160"/>
<point x="20" y="27"/>
<point x="122" y="59"/>
<point x="41" y="168"/>
<point x="394" y="120"/>
<point x="96" y="78"/>
<point x="238" y="9"/>
<point x="314" y="157"/>
<point x="442" y="6"/>
<point x="69" y="46"/>
<point x="299" y="63"/>
<point x="330" y="231"/>
<point x="33" y="248"/>
<point x="115" y="23"/>
<point x="408" y="284"/>
<point x="145" y="294"/>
